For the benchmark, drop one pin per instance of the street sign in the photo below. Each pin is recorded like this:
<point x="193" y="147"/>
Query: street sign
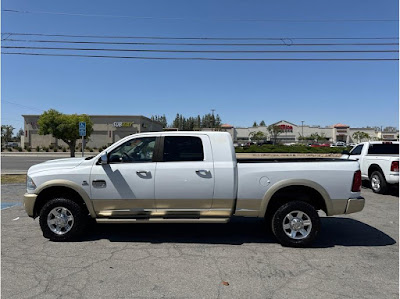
<point x="82" y="128"/>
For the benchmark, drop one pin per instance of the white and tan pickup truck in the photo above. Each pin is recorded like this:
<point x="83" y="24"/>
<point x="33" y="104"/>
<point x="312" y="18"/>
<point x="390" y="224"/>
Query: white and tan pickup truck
<point x="189" y="177"/>
<point x="379" y="163"/>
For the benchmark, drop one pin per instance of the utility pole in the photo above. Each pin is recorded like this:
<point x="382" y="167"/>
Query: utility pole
<point x="213" y="119"/>
<point x="302" y="129"/>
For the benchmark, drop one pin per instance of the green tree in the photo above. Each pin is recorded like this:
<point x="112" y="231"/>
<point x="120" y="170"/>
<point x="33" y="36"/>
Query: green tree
<point x="20" y="134"/>
<point x="64" y="126"/>
<point x="262" y="123"/>
<point x="257" y="136"/>
<point x="160" y="118"/>
<point x="6" y="133"/>
<point x="316" y="137"/>
<point x="274" y="131"/>
<point x="255" y="124"/>
<point x="359" y="136"/>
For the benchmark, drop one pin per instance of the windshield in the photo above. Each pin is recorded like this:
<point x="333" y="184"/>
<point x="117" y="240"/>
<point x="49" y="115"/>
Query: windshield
<point x="383" y="149"/>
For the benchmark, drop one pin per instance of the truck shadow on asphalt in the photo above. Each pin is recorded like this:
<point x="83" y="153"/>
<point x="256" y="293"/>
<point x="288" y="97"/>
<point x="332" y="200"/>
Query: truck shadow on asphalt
<point x="335" y="231"/>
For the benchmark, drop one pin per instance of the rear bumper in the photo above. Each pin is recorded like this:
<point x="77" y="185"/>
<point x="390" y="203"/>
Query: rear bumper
<point x="392" y="178"/>
<point x="355" y="205"/>
<point x="29" y="203"/>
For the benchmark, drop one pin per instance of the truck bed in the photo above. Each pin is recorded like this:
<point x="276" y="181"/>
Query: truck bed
<point x="290" y="160"/>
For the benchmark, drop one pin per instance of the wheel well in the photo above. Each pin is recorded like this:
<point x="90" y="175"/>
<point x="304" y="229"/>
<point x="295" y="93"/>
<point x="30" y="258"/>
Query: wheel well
<point x="292" y="193"/>
<point x="374" y="167"/>
<point x="54" y="192"/>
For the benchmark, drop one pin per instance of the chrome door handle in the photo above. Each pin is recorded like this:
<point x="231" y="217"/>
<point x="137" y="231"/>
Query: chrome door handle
<point x="99" y="183"/>
<point x="142" y="172"/>
<point x="202" y="170"/>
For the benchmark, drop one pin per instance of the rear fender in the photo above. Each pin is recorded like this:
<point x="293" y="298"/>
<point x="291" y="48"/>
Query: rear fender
<point x="295" y="182"/>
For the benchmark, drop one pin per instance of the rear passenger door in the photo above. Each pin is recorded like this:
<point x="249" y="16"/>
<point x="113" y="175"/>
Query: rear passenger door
<point x="184" y="180"/>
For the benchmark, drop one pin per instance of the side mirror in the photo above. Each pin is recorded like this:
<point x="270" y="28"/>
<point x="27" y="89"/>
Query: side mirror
<point x="345" y="152"/>
<point x="103" y="159"/>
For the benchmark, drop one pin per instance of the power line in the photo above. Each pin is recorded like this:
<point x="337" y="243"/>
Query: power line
<point x="201" y="51"/>
<point x="199" y="19"/>
<point x="200" y="38"/>
<point x="202" y="58"/>
<point x="199" y="44"/>
<point x="23" y="106"/>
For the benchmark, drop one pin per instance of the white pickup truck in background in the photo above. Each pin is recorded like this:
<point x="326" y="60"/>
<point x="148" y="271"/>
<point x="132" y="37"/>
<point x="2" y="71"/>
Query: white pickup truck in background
<point x="379" y="163"/>
<point x="164" y="177"/>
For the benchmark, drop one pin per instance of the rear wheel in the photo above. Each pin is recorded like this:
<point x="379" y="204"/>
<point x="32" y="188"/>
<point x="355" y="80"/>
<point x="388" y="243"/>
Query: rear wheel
<point x="378" y="183"/>
<point x="296" y="224"/>
<point x="62" y="219"/>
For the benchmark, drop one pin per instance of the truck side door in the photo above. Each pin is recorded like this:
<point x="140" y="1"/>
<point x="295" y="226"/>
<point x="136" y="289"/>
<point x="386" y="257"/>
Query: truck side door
<point x="185" y="177"/>
<point x="125" y="186"/>
<point x="359" y="154"/>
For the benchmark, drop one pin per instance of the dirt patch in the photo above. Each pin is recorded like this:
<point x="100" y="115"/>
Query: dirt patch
<point x="13" y="179"/>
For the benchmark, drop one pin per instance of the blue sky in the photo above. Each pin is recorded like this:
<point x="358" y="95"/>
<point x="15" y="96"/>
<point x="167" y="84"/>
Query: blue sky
<point x="320" y="93"/>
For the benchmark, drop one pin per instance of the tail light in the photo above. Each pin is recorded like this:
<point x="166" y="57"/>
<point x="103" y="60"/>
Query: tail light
<point x="356" y="187"/>
<point x="395" y="166"/>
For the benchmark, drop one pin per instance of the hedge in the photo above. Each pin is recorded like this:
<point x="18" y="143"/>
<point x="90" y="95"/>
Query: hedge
<point x="290" y="149"/>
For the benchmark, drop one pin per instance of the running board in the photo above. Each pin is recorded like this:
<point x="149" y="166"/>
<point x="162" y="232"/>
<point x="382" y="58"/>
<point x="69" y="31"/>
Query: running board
<point x="162" y="220"/>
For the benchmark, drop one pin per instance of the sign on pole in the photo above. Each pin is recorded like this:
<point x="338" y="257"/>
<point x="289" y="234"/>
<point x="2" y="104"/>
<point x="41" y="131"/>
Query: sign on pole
<point x="82" y="132"/>
<point x="82" y="128"/>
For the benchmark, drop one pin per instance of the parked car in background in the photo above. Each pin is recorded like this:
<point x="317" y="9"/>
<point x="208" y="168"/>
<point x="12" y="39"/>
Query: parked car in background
<point x="315" y="145"/>
<point x="12" y="144"/>
<point x="379" y="163"/>
<point x="265" y="142"/>
<point x="338" y="144"/>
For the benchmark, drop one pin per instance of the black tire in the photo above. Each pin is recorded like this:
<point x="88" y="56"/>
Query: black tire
<point x="299" y="239"/>
<point x="76" y="225"/>
<point x="378" y="183"/>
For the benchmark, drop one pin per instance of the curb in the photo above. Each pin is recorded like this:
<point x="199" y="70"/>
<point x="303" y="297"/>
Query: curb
<point x="14" y="173"/>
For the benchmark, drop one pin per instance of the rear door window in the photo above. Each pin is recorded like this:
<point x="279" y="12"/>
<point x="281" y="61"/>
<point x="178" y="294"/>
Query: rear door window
<point x="357" y="150"/>
<point x="183" y="148"/>
<point x="383" y="149"/>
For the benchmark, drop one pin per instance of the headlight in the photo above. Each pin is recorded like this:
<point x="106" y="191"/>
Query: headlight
<point x="30" y="184"/>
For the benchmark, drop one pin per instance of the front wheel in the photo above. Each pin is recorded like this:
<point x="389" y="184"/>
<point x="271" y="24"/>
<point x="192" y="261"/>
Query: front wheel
<point x="62" y="219"/>
<point x="296" y="224"/>
<point x="378" y="183"/>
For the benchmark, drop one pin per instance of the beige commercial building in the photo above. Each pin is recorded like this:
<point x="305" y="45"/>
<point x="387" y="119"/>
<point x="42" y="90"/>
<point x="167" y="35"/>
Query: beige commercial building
<point x="291" y="133"/>
<point x="107" y="129"/>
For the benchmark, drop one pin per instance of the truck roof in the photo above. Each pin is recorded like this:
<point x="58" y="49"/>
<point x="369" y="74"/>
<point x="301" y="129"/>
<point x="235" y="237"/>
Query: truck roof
<point x="381" y="142"/>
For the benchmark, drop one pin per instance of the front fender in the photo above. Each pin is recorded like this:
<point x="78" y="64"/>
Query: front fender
<point x="71" y="185"/>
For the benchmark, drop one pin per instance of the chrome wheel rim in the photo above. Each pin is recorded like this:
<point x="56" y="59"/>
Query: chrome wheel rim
<point x="297" y="225"/>
<point x="375" y="182"/>
<point x="60" y="220"/>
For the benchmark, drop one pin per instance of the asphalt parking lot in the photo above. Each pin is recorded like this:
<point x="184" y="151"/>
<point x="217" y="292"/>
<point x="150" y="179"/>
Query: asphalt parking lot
<point x="355" y="256"/>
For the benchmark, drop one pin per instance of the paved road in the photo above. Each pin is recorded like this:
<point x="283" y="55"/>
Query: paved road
<point x="355" y="256"/>
<point x="20" y="163"/>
